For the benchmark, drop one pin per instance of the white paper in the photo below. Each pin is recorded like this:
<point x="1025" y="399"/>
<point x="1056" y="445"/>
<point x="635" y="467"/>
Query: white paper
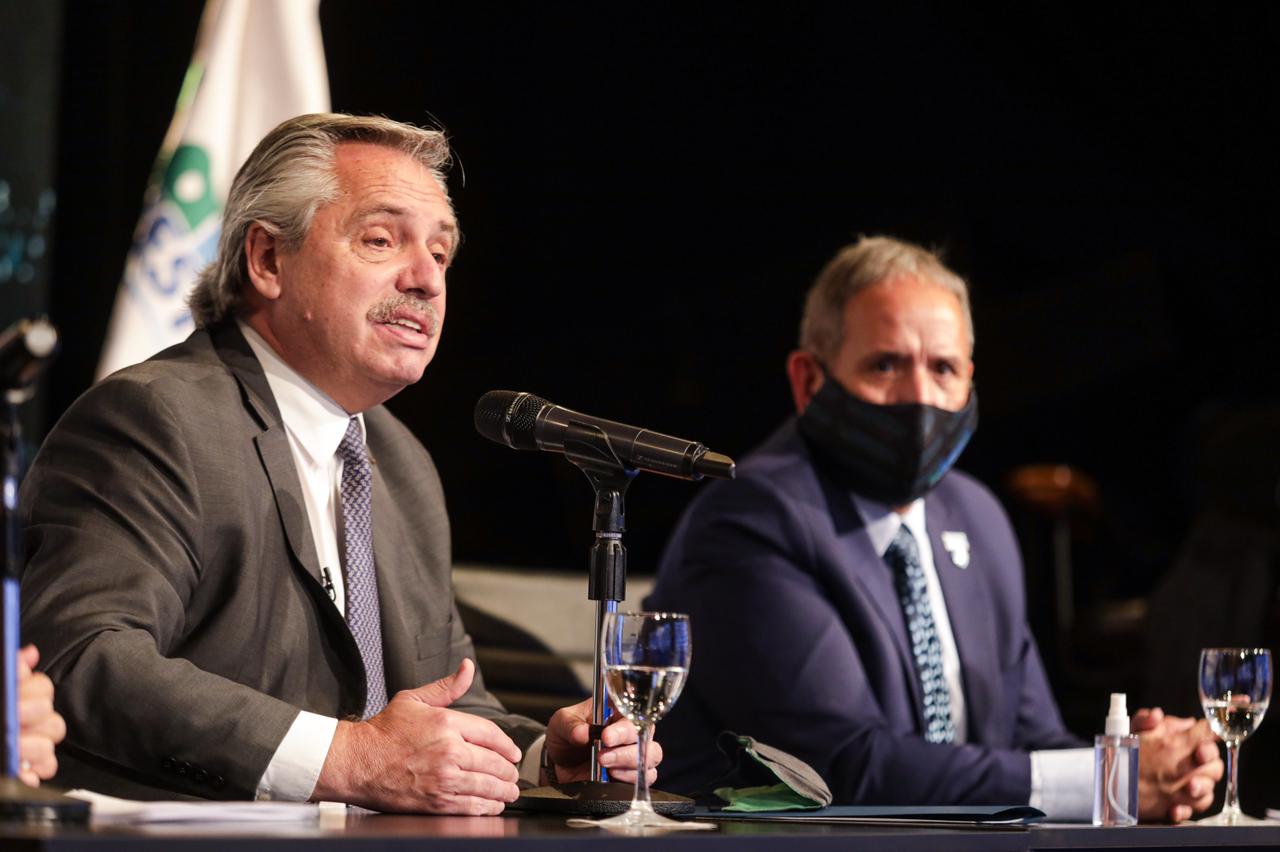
<point x="109" y="809"/>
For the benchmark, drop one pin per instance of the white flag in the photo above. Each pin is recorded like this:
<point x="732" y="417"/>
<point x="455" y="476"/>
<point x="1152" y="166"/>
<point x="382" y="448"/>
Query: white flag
<point x="256" y="63"/>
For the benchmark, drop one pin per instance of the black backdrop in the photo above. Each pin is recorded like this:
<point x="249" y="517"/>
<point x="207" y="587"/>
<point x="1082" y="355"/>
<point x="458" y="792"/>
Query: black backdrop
<point x="650" y="188"/>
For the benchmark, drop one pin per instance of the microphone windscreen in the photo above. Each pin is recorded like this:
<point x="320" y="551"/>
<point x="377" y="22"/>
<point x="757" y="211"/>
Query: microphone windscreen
<point x="509" y="417"/>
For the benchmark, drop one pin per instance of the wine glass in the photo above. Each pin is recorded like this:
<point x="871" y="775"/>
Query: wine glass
<point x="1235" y="688"/>
<point x="646" y="661"/>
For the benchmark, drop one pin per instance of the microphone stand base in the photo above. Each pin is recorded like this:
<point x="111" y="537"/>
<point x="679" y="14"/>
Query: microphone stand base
<point x="39" y="805"/>
<point x="595" y="798"/>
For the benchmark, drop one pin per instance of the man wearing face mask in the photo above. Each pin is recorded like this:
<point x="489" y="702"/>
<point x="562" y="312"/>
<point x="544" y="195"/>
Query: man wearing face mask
<point x="860" y="604"/>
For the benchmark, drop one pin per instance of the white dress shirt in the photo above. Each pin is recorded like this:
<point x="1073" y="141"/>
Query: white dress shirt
<point x="315" y="426"/>
<point x="1061" y="779"/>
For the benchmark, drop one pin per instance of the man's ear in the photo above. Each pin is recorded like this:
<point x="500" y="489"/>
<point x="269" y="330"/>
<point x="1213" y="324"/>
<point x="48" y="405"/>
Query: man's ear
<point x="262" y="261"/>
<point x="805" y="376"/>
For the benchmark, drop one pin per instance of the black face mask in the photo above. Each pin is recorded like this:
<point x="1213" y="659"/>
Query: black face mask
<point x="889" y="453"/>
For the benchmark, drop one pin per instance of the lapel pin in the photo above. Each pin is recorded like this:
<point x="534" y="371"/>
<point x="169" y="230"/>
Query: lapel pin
<point x="957" y="545"/>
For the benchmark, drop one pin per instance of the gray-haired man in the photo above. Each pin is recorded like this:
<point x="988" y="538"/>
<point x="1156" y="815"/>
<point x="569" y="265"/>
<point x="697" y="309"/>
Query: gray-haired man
<point x="238" y="563"/>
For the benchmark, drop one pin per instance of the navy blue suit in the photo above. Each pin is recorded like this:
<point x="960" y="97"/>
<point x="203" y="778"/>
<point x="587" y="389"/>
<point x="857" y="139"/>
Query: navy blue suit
<point x="798" y="639"/>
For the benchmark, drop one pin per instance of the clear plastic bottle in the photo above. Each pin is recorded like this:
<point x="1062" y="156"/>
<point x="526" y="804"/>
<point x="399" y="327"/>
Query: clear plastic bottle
<point x="1115" y="769"/>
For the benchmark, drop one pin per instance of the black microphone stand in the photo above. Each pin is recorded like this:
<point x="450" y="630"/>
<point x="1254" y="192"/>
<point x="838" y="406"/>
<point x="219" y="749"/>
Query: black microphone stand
<point x="18" y="801"/>
<point x="588" y="448"/>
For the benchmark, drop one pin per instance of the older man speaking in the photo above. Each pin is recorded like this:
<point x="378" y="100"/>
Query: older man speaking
<point x="238" y="566"/>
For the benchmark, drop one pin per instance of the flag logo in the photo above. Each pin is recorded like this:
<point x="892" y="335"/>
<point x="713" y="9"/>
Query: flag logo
<point x="176" y="238"/>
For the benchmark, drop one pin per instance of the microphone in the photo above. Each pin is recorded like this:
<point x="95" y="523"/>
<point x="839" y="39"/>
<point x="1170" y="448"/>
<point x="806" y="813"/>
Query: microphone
<point x="527" y="422"/>
<point x="25" y="349"/>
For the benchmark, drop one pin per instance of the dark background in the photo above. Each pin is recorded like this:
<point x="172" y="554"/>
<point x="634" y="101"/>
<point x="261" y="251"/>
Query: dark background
<point x="650" y="189"/>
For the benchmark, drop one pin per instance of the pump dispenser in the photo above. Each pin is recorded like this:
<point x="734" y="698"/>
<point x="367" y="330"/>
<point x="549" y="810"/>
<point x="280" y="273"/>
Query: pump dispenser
<point x="1115" y="768"/>
<point x="1117" y="724"/>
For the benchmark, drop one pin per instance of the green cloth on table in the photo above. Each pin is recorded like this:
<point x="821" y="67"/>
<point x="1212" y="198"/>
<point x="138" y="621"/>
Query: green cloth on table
<point x="778" y="797"/>
<point x="767" y="778"/>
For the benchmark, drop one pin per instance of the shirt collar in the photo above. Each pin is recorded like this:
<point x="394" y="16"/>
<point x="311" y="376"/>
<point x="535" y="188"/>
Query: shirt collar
<point x="882" y="522"/>
<point x="316" y="422"/>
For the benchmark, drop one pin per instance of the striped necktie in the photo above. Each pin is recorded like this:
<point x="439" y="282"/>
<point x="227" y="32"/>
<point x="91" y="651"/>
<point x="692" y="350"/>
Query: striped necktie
<point x="363" y="616"/>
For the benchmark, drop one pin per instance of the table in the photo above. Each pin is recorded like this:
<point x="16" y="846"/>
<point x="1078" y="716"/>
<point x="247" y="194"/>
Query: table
<point x="536" y="833"/>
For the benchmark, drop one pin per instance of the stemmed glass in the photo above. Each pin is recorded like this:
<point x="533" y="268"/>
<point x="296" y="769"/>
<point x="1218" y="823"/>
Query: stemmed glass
<point x="646" y="661"/>
<point x="1235" y="688"/>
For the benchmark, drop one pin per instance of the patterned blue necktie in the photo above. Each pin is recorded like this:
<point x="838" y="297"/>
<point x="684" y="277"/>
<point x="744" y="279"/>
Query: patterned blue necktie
<point x="903" y="557"/>
<point x="363" y="616"/>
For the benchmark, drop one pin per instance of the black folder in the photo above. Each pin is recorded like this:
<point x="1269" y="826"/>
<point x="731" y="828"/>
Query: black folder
<point x="946" y="816"/>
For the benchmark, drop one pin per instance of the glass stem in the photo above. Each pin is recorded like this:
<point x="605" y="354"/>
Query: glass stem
<point x="1231" y="805"/>
<point x="641" y="799"/>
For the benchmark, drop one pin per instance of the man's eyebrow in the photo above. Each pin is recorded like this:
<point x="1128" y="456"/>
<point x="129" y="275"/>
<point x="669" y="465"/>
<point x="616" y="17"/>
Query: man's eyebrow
<point x="895" y="354"/>
<point x="379" y="210"/>
<point x="448" y="226"/>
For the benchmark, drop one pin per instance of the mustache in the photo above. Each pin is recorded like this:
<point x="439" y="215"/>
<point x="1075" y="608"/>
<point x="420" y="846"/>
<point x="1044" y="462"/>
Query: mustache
<point x="385" y="310"/>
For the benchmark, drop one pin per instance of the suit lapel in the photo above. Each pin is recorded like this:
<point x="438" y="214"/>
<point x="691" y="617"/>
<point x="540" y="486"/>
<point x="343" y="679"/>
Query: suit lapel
<point x="397" y="656"/>
<point x="969" y="611"/>
<point x="393" y="561"/>
<point x="273" y="448"/>
<point x="272" y="444"/>
<point x="277" y="461"/>
<point x="874" y="576"/>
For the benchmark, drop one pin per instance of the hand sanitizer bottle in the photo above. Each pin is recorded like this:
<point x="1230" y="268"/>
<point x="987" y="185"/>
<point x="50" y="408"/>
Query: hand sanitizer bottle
<point x="1115" y="769"/>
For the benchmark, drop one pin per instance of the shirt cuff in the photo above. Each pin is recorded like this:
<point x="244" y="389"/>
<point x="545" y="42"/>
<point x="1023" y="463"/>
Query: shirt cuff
<point x="1062" y="784"/>
<point x="295" y="767"/>
<point x="531" y="763"/>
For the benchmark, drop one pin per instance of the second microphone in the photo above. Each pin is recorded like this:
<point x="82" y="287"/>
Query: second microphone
<point x="528" y="422"/>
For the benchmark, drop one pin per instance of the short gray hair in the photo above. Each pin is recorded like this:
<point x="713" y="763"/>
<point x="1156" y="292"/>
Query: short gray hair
<point x="856" y="267"/>
<point x="282" y="184"/>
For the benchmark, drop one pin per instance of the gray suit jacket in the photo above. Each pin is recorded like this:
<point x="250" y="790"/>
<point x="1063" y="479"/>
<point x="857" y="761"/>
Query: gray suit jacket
<point x="173" y="587"/>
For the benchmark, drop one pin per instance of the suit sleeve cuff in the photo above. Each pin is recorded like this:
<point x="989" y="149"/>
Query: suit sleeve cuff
<point x="531" y="763"/>
<point x="1062" y="783"/>
<point x="295" y="767"/>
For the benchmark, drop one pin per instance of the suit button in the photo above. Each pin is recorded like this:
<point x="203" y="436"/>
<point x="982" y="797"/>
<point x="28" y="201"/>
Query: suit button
<point x="218" y="782"/>
<point x="168" y="764"/>
<point x="184" y="768"/>
<point x="200" y="777"/>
